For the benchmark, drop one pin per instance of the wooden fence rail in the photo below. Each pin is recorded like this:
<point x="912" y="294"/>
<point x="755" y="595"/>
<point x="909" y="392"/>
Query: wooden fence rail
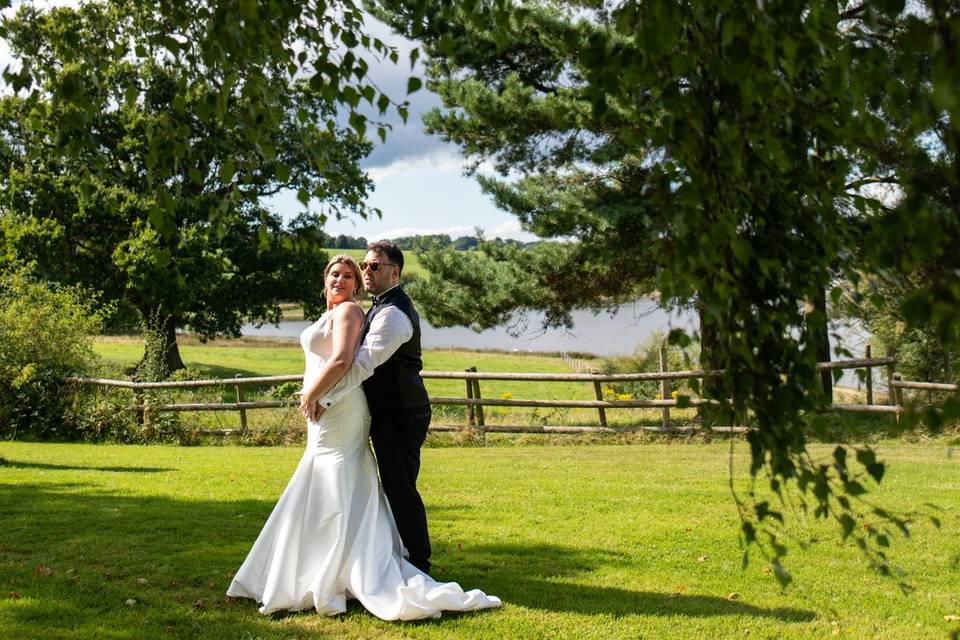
<point x="474" y="401"/>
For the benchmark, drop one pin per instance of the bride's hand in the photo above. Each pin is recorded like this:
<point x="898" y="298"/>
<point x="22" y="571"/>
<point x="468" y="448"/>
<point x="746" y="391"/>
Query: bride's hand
<point x="310" y="409"/>
<point x="304" y="407"/>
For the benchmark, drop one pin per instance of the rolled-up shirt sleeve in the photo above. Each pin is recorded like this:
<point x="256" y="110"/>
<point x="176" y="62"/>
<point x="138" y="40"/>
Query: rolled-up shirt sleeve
<point x="389" y="329"/>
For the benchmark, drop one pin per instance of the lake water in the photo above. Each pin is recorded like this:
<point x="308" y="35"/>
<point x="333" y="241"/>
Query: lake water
<point x="603" y="334"/>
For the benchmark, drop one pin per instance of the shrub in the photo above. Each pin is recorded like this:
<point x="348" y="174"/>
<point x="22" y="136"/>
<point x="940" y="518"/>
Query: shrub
<point x="44" y="336"/>
<point x="646" y="359"/>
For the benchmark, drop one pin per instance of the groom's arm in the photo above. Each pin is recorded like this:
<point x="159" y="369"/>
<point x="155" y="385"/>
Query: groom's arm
<point x="388" y="330"/>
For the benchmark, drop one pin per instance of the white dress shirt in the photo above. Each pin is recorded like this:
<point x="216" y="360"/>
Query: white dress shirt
<point x="389" y="329"/>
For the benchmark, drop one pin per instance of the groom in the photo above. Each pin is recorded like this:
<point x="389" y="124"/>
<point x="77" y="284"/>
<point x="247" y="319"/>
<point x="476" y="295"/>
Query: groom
<point x="389" y="363"/>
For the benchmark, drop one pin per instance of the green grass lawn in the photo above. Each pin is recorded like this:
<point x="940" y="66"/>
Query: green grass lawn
<point x="225" y="359"/>
<point x="106" y="541"/>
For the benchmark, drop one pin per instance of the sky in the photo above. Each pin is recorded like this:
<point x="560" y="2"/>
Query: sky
<point x="418" y="179"/>
<point x="419" y="184"/>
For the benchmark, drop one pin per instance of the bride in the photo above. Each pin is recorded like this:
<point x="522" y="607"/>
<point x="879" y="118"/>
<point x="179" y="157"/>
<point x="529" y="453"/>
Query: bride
<point x="332" y="535"/>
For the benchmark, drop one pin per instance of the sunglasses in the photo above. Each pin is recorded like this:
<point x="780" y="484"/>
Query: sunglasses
<point x="375" y="266"/>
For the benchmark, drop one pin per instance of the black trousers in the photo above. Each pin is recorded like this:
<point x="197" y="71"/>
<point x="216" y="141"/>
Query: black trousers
<point x="397" y="438"/>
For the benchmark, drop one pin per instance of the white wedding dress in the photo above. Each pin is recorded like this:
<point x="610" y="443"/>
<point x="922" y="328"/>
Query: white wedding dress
<point x="332" y="536"/>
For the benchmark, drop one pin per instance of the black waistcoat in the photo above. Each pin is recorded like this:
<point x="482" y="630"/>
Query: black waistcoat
<point x="396" y="384"/>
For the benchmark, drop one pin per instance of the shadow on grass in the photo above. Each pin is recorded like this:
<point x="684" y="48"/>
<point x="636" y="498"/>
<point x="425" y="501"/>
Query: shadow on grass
<point x="175" y="557"/>
<point x="545" y="577"/>
<point x="14" y="464"/>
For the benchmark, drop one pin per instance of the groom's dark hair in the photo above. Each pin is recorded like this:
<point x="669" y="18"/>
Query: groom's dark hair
<point x="388" y="249"/>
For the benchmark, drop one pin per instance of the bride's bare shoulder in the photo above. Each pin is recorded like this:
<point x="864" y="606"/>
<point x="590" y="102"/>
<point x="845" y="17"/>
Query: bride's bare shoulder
<point x="348" y="311"/>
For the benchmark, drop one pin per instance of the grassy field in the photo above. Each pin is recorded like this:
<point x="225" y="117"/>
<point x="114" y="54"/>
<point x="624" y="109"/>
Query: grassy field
<point x="225" y="359"/>
<point x="106" y="541"/>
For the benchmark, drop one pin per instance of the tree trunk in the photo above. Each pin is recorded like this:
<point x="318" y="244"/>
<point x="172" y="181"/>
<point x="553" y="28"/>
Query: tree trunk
<point x="161" y="354"/>
<point x="820" y="334"/>
<point x="171" y="356"/>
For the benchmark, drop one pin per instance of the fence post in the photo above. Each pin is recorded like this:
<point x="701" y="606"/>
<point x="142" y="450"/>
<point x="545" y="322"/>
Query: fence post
<point x="603" y="414"/>
<point x="869" y="377"/>
<point x="469" y="384"/>
<point x="138" y="397"/>
<point x="476" y="394"/>
<point x="243" y="412"/>
<point x="891" y="396"/>
<point x="897" y="394"/>
<point x="664" y="387"/>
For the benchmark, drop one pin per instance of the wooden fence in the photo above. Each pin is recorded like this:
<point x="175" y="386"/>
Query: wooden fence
<point x="899" y="386"/>
<point x="474" y="401"/>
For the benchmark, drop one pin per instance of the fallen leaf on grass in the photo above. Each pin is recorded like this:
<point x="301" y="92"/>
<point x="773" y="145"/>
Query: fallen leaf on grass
<point x="14" y="595"/>
<point x="44" y="571"/>
<point x="702" y="558"/>
<point x="952" y="618"/>
<point x="142" y="581"/>
<point x="198" y="604"/>
<point x="459" y="547"/>
<point x="766" y="570"/>
<point x="211" y="586"/>
<point x="173" y="584"/>
<point x="130" y="602"/>
<point x="733" y="596"/>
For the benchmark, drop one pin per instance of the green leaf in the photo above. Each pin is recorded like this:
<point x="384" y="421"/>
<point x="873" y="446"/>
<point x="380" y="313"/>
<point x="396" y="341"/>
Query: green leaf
<point x="678" y="337"/>
<point x="161" y="258"/>
<point x="358" y="122"/>
<point x="226" y="171"/>
<point x="130" y="95"/>
<point x="413" y="84"/>
<point x="349" y="38"/>
<point x="383" y="102"/>
<point x="283" y="172"/>
<point x="248" y="9"/>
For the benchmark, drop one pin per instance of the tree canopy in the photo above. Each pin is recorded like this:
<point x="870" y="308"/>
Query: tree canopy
<point x="720" y="148"/>
<point x="177" y="232"/>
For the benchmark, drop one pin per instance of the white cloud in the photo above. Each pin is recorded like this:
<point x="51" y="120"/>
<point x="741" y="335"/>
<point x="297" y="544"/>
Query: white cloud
<point x="442" y="160"/>
<point x="507" y="230"/>
<point x="889" y="195"/>
<point x="510" y="230"/>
